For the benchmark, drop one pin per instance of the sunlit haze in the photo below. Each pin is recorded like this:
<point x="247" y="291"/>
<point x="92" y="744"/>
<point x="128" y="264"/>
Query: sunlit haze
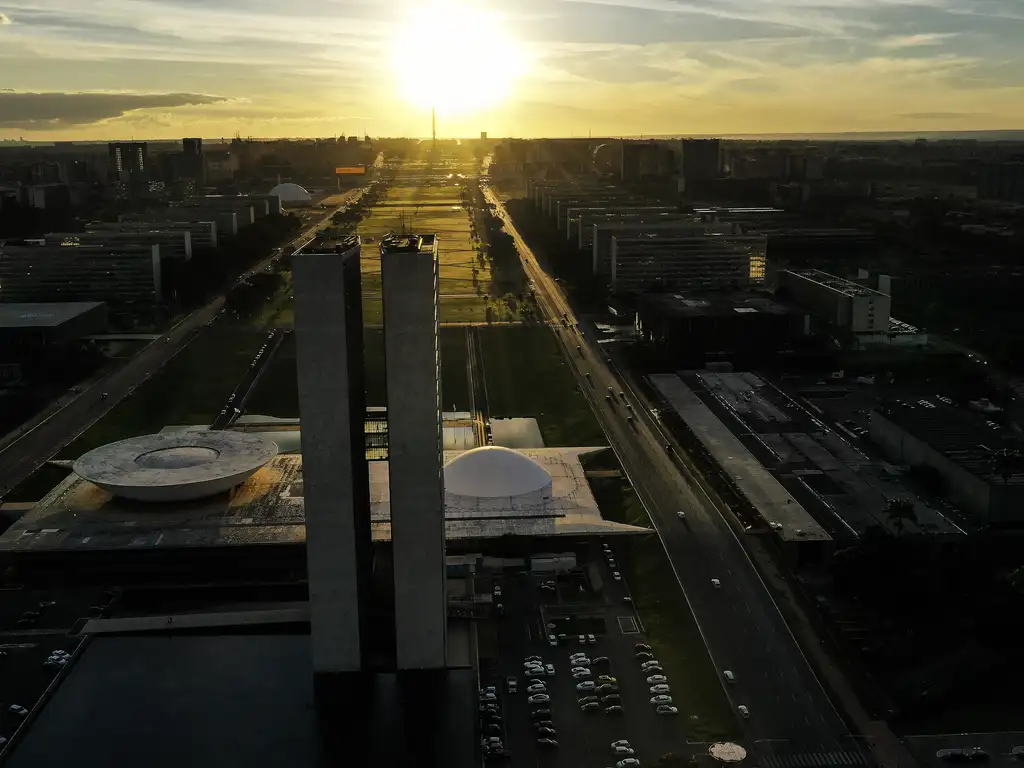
<point x="163" y="68"/>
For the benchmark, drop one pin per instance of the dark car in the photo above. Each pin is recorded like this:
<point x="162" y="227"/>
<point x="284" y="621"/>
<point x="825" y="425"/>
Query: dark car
<point x="541" y="714"/>
<point x="612" y="699"/>
<point x="600" y="660"/>
<point x="615" y="709"/>
<point x="547" y="743"/>
<point x="543" y="724"/>
<point x="546" y="732"/>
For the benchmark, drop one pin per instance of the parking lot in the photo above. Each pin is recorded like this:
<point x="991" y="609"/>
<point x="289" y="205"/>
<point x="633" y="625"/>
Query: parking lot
<point x="587" y="601"/>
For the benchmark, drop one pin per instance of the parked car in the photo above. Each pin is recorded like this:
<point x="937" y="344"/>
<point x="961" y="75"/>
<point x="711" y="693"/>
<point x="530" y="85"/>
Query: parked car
<point x="591" y="707"/>
<point x="540" y="714"/>
<point x="745" y="713"/>
<point x="655" y="679"/>
<point x="644" y="655"/>
<point x="666" y="709"/>
<point x="511" y="684"/>
<point x="538" y="689"/>
<point x="607" y="679"/>
<point x="641" y="647"/>
<point x="650" y="663"/>
<point x="547" y="742"/>
<point x="541" y="698"/>
<point x="660" y="688"/>
<point x="586" y="686"/>
<point x="661" y="699"/>
<point x="614" y="709"/>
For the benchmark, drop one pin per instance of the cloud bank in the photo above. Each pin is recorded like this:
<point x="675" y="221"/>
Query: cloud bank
<point x="38" y="111"/>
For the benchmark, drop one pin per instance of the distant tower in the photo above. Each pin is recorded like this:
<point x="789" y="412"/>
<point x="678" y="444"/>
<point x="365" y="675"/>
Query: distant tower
<point x="415" y="451"/>
<point x="433" y="126"/>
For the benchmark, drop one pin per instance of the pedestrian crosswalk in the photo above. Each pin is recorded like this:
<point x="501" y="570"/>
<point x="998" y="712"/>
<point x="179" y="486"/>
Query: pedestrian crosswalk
<point x="812" y="760"/>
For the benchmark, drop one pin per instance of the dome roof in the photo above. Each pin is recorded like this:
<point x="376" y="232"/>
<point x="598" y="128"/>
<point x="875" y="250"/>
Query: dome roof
<point x="291" y="193"/>
<point x="496" y="472"/>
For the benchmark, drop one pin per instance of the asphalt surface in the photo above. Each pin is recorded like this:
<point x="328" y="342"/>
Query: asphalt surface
<point x="740" y="623"/>
<point x="23" y="456"/>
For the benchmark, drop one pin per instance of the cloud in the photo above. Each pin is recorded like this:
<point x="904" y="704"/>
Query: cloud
<point x="899" y="42"/>
<point x="40" y="111"/>
<point x="5" y="20"/>
<point x="943" y="115"/>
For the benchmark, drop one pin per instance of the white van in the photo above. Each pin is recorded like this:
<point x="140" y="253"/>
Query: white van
<point x="729" y="676"/>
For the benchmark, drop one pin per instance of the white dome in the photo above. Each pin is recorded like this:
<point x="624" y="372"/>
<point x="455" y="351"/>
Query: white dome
<point x="494" y="472"/>
<point x="291" y="193"/>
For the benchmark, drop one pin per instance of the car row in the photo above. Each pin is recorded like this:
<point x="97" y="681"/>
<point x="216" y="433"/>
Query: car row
<point x="612" y="564"/>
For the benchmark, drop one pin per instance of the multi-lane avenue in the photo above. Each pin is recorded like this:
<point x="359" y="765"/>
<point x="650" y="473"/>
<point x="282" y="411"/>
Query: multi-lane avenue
<point x="24" y="455"/>
<point x="739" y="620"/>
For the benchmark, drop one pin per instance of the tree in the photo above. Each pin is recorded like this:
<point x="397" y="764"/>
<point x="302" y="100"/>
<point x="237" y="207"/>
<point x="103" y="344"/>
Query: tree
<point x="900" y="512"/>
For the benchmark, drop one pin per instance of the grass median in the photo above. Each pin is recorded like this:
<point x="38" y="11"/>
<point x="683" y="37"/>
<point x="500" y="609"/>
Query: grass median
<point x="669" y="626"/>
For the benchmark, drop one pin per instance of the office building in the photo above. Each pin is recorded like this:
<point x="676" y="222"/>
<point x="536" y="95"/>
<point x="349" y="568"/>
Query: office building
<point x="332" y="405"/>
<point x="409" y="274"/>
<point x="701" y="160"/>
<point x="692" y="330"/>
<point x="193" y="166"/>
<point x="663" y="226"/>
<point x="583" y="221"/>
<point x="174" y="244"/>
<point x="263" y="205"/>
<point x="31" y="327"/>
<point x="225" y="216"/>
<point x="655" y="263"/>
<point x="975" y="456"/>
<point x="1002" y="182"/>
<point x="119" y="274"/>
<point x="128" y="159"/>
<point x="841" y="303"/>
<point x="202" y="234"/>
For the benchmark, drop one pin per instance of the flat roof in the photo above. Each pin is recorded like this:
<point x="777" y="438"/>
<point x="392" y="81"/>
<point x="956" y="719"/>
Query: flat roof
<point x="838" y="284"/>
<point x="717" y="305"/>
<point x="759" y="486"/>
<point x="964" y="437"/>
<point x="831" y="478"/>
<point x="43" y="315"/>
<point x="268" y="509"/>
<point x="249" y="701"/>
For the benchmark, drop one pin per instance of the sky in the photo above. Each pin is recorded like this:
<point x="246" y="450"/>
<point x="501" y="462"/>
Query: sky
<point x="115" y="69"/>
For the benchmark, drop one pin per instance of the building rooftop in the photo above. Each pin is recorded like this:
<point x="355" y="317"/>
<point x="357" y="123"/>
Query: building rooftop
<point x="717" y="305"/>
<point x="331" y="244"/>
<point x="43" y="315"/>
<point x="267" y="509"/>
<point x="407" y="243"/>
<point x="838" y="284"/>
<point x="966" y="438"/>
<point x="240" y="700"/>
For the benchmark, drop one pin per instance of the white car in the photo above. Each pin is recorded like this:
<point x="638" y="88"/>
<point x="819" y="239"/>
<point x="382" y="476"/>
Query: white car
<point x="620" y="743"/>
<point x="586" y="686"/>
<point x="549" y="669"/>
<point x="533" y="669"/>
<point x="488" y="696"/>
<point x="665" y="709"/>
<point x="539" y="698"/>
<point x="649" y="664"/>
<point x="623" y="752"/>
<point x="681" y="515"/>
<point x="582" y="675"/>
<point x="574" y="670"/>
<point x="616" y="575"/>
<point x="662" y="699"/>
<point x="579" y="660"/>
<point x="497" y="590"/>
<point x="591" y="640"/>
<point x="716" y="583"/>
<point x="536" y="659"/>
<point x="544" y="689"/>
<point x="655" y="679"/>
<point x="744" y="712"/>
<point x="629" y="762"/>
<point x="661" y="688"/>
<point x="583" y="639"/>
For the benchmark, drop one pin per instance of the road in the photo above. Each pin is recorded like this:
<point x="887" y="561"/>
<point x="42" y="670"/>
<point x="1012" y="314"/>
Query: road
<point x="23" y="456"/>
<point x="740" y="623"/>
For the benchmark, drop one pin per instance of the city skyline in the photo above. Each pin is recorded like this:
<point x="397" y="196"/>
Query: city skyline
<point x="180" y="67"/>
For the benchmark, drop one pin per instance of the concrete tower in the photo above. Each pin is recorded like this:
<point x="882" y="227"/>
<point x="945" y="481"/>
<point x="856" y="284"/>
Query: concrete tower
<point x="409" y="268"/>
<point x="339" y="554"/>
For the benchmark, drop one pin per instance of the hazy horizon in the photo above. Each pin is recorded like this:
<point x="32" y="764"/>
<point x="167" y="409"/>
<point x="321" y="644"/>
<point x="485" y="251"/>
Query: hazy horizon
<point x="530" y="68"/>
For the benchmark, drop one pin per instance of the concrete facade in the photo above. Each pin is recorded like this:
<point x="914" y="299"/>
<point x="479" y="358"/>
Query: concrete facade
<point x="409" y="272"/>
<point x="123" y="272"/>
<point x="842" y="303"/>
<point x="686" y="263"/>
<point x="329" y="341"/>
<point x="203" y="234"/>
<point x="174" y="244"/>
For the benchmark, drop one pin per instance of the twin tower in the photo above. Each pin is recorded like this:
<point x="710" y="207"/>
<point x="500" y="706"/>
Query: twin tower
<point x="345" y="589"/>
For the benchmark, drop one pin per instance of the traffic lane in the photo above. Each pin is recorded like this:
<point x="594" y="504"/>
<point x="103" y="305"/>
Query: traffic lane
<point x="22" y="457"/>
<point x="789" y="673"/>
<point x="737" y="634"/>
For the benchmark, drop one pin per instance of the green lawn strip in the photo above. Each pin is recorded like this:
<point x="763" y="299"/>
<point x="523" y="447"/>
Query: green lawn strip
<point x="528" y="377"/>
<point x="454" y="383"/>
<point x="669" y="627"/>
<point x="189" y="389"/>
<point x="277" y="391"/>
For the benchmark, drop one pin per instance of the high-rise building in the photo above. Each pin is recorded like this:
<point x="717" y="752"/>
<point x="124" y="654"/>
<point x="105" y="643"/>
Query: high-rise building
<point x="701" y="159"/>
<point x="193" y="166"/>
<point x="409" y="272"/>
<point x="332" y="406"/>
<point x="128" y="159"/>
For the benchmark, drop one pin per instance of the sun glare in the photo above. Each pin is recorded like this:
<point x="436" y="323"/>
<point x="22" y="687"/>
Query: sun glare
<point x="456" y="57"/>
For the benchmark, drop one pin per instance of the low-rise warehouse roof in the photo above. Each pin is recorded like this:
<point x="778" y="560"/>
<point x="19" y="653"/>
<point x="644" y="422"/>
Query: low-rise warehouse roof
<point x="43" y="315"/>
<point x="716" y="304"/>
